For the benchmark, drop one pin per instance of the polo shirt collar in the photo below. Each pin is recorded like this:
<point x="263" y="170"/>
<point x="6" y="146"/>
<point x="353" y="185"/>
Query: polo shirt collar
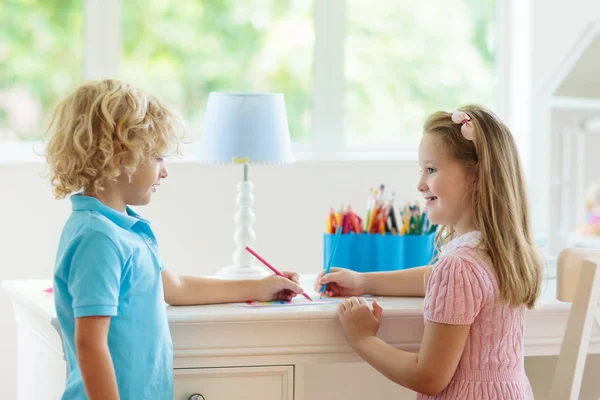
<point x="81" y="202"/>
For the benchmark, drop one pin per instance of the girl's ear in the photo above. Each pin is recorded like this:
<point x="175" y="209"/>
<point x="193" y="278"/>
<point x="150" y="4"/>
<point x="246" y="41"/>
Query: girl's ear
<point x="475" y="175"/>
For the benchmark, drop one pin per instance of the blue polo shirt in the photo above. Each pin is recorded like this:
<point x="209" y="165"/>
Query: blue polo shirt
<point x="108" y="265"/>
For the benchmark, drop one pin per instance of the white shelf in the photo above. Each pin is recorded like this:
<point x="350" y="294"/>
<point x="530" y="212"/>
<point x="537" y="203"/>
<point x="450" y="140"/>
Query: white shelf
<point x="575" y="103"/>
<point x="579" y="240"/>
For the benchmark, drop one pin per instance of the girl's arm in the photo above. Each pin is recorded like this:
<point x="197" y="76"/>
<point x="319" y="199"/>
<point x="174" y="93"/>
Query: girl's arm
<point x="427" y="372"/>
<point x="431" y="369"/>
<point x="343" y="282"/>
<point x="408" y="282"/>
<point x="93" y="357"/>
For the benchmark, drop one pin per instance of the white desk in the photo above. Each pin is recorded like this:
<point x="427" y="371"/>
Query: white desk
<point x="229" y="352"/>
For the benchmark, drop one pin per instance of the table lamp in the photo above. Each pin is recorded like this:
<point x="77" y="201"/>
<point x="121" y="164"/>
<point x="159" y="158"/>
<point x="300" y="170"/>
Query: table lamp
<point x="245" y="128"/>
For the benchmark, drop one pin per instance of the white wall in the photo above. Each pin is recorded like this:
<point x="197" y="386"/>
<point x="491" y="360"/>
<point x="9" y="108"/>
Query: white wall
<point x="557" y="25"/>
<point x="192" y="213"/>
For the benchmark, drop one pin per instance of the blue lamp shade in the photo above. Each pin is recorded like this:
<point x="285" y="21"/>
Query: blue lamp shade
<point x="245" y="128"/>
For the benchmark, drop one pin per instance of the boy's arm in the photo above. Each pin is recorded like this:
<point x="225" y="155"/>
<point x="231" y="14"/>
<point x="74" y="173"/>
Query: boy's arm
<point x="190" y="290"/>
<point x="94" y="359"/>
<point x="408" y="282"/>
<point x="187" y="290"/>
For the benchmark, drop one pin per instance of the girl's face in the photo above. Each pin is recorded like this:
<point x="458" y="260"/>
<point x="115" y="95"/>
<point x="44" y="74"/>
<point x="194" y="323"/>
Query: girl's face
<point x="146" y="181"/>
<point x="446" y="185"/>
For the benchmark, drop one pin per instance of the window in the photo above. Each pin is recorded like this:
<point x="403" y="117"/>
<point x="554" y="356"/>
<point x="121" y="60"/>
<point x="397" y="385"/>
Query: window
<point x="41" y="46"/>
<point x="182" y="50"/>
<point x="405" y="60"/>
<point x="356" y="74"/>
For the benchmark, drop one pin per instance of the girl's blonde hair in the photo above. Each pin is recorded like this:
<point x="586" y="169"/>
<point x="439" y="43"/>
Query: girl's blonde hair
<point x="103" y="129"/>
<point x="500" y="208"/>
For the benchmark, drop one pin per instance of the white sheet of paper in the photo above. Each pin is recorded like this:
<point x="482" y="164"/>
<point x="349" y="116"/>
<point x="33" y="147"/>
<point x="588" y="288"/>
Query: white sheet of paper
<point x="300" y="301"/>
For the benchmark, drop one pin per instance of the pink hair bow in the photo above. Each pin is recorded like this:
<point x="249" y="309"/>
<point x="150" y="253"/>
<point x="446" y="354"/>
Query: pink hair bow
<point x="459" y="117"/>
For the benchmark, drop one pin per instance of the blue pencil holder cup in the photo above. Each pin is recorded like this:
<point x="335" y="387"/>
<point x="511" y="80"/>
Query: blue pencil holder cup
<point x="373" y="252"/>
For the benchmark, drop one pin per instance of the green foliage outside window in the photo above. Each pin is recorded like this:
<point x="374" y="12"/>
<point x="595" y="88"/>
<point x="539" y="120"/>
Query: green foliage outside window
<point x="182" y="50"/>
<point x="41" y="47"/>
<point x="403" y="60"/>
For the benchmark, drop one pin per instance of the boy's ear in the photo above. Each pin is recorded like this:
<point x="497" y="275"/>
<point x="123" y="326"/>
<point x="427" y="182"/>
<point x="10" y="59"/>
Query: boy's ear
<point x="117" y="147"/>
<point x="118" y="152"/>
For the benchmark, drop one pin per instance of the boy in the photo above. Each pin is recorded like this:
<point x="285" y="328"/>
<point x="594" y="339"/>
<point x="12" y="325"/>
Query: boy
<point x="106" y="143"/>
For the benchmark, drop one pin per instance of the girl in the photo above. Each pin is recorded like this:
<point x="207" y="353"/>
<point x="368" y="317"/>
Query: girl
<point x="486" y="275"/>
<point x="106" y="144"/>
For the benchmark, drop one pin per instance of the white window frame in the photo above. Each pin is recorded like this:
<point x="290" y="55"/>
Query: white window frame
<point x="102" y="52"/>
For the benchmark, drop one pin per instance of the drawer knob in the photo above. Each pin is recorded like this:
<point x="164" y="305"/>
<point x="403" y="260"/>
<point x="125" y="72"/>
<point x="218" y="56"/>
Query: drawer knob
<point x="196" y="396"/>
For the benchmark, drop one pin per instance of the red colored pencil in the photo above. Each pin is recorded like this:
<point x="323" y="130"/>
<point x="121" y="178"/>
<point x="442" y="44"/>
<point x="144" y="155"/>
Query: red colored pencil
<point x="272" y="268"/>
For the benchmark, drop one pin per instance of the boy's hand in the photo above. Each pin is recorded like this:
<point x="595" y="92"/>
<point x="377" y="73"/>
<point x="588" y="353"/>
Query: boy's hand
<point x="275" y="287"/>
<point x="341" y="282"/>
<point x="358" y="321"/>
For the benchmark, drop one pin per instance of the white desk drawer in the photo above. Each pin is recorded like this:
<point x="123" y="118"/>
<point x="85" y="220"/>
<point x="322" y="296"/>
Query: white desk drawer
<point x="248" y="383"/>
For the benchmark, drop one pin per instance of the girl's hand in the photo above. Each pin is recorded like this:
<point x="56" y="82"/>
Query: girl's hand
<point x="358" y="321"/>
<point x="275" y="287"/>
<point x="341" y="282"/>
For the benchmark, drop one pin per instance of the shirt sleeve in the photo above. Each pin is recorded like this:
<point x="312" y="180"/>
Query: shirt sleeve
<point x="95" y="276"/>
<point x="456" y="292"/>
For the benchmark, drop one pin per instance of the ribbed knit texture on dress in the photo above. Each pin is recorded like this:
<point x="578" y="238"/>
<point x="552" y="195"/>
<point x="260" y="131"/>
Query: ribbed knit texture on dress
<point x="462" y="290"/>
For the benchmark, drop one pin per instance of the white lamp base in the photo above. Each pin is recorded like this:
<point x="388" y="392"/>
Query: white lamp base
<point x="243" y="266"/>
<point x="231" y="272"/>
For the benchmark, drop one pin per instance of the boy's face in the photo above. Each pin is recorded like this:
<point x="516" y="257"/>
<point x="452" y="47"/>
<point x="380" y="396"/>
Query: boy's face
<point x="446" y="185"/>
<point x="145" y="181"/>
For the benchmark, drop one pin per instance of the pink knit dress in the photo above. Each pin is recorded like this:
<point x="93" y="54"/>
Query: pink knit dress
<point x="461" y="290"/>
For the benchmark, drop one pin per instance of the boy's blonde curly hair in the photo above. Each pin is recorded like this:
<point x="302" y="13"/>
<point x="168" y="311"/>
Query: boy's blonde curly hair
<point x="103" y="129"/>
